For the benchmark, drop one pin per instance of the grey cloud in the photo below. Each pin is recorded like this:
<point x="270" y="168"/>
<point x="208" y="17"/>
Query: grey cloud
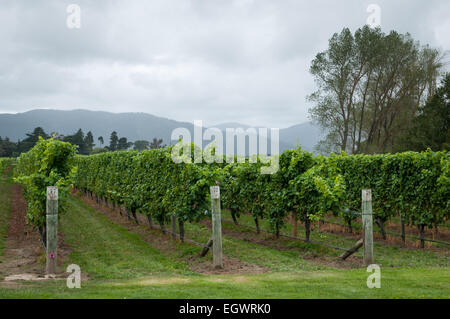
<point x="216" y="60"/>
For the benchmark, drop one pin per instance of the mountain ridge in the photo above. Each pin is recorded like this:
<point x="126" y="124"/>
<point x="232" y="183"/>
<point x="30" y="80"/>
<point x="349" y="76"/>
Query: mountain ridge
<point x="133" y="125"/>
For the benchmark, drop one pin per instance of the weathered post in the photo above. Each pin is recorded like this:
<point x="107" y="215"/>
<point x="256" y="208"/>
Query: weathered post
<point x="216" y="227"/>
<point x="367" y="225"/>
<point x="52" y="229"/>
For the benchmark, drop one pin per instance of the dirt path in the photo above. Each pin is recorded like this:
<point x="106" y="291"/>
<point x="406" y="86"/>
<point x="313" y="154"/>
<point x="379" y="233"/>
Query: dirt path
<point x="24" y="256"/>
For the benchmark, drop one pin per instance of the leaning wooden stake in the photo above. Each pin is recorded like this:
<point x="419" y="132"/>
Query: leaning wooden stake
<point x="206" y="248"/>
<point x="367" y="225"/>
<point x="352" y="250"/>
<point x="52" y="229"/>
<point x="216" y="227"/>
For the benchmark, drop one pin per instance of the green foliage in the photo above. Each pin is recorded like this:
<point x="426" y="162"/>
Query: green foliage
<point x="48" y="163"/>
<point x="141" y="145"/>
<point x="149" y="182"/>
<point x="416" y="185"/>
<point x="7" y="148"/>
<point x="370" y="86"/>
<point x="31" y="140"/>
<point x="113" y="141"/>
<point x="412" y="184"/>
<point x="5" y="163"/>
<point x="79" y="140"/>
<point x="431" y="128"/>
<point x="319" y="190"/>
<point x="156" y="143"/>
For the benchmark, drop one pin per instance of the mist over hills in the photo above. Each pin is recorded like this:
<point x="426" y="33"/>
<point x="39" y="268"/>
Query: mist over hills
<point x="134" y="126"/>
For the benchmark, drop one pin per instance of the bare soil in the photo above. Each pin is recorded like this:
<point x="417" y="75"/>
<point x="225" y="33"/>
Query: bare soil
<point x="24" y="255"/>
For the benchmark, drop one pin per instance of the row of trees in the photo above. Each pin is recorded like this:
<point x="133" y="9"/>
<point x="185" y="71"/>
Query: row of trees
<point x="85" y="143"/>
<point x="375" y="90"/>
<point x="147" y="182"/>
<point x="414" y="186"/>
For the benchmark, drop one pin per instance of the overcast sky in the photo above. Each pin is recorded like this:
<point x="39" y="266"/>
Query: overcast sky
<point x="218" y="61"/>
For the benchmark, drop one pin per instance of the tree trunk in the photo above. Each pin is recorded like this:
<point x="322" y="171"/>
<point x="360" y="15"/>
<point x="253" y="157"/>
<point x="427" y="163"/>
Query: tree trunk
<point x="422" y="235"/>
<point x="233" y="215"/>
<point x="43" y="234"/>
<point x="277" y="229"/>
<point x="128" y="213"/>
<point x="174" y="227"/>
<point x="307" y="228"/>
<point x="181" y="228"/>
<point x="381" y="225"/>
<point x="150" y="222"/>
<point x="257" y="225"/>
<point x="294" y="224"/>
<point x="161" y="224"/>
<point x="133" y="211"/>
<point x="403" y="235"/>
<point x="349" y="224"/>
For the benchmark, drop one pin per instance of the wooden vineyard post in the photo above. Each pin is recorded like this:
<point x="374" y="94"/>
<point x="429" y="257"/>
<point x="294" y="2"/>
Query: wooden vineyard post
<point x="367" y="225"/>
<point x="52" y="229"/>
<point x="216" y="227"/>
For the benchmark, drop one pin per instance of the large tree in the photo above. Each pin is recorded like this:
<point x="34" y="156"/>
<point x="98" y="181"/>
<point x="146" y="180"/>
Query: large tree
<point x="7" y="148"/>
<point x="89" y="142"/>
<point x="113" y="141"/>
<point x="141" y="145"/>
<point x="77" y="139"/>
<point x="123" y="144"/>
<point x="156" y="143"/>
<point x="431" y="127"/>
<point x="370" y="86"/>
<point x="31" y="140"/>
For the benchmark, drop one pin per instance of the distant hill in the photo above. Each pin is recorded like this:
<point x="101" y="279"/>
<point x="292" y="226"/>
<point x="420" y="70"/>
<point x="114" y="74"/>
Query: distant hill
<point x="234" y="125"/>
<point x="134" y="126"/>
<point x="306" y="134"/>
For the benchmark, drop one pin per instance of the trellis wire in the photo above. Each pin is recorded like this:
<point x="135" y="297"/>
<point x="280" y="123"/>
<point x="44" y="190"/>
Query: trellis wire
<point x="395" y="234"/>
<point x="291" y="237"/>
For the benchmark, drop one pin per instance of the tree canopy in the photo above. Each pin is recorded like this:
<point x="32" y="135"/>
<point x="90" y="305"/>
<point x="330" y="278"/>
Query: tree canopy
<point x="370" y="87"/>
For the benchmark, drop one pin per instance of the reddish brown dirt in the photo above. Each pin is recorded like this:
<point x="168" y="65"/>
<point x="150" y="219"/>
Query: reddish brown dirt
<point x="23" y="252"/>
<point x="166" y="245"/>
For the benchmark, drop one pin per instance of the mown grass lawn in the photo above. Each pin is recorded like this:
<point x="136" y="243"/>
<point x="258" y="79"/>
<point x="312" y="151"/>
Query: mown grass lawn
<point x="399" y="283"/>
<point x="121" y="264"/>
